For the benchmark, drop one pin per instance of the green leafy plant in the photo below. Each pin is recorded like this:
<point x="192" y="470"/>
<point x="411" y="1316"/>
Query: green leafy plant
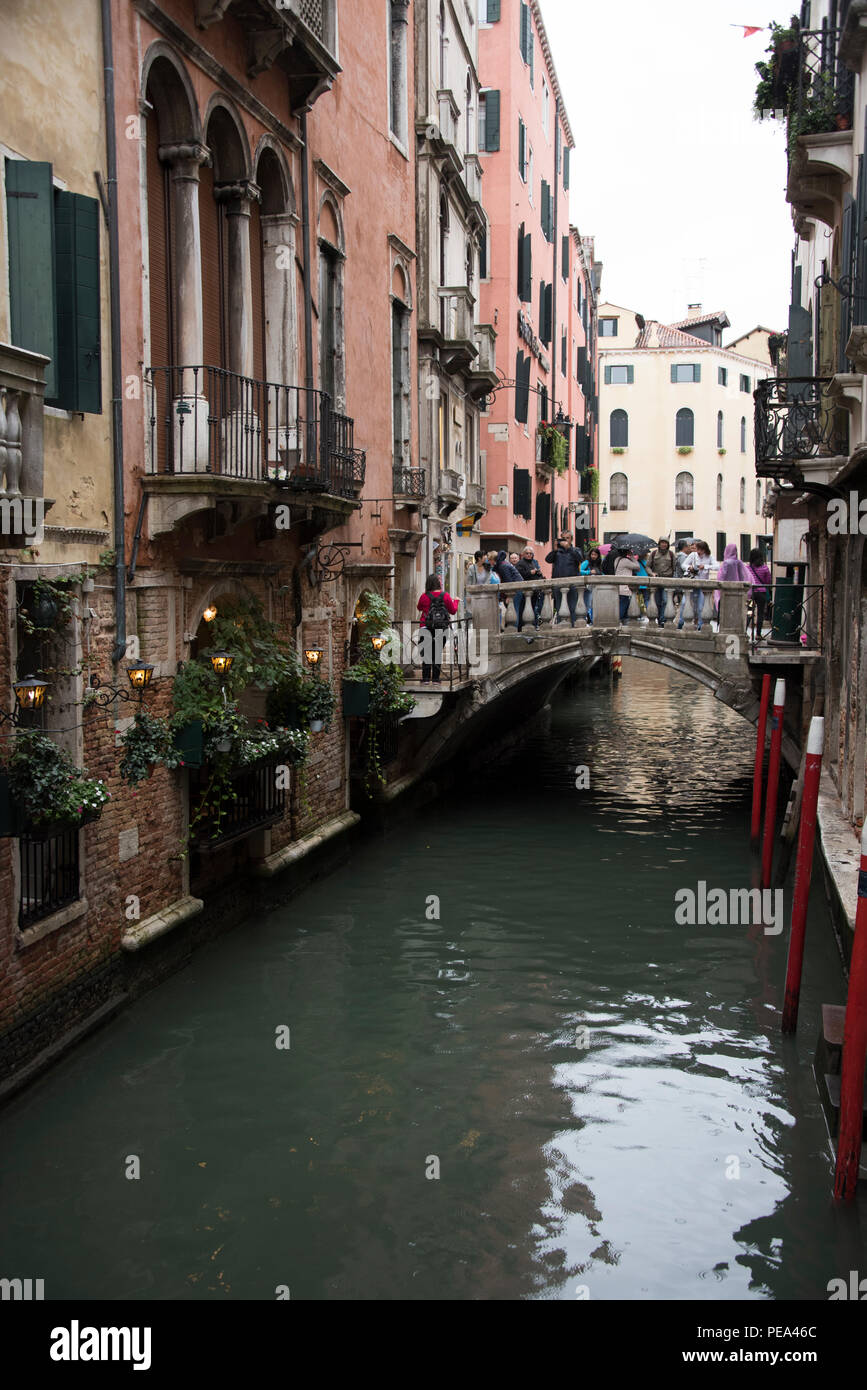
<point x="47" y="786"/>
<point x="147" y="743"/>
<point x="618" y="451"/>
<point x="557" y="447"/>
<point x="385" y="680"/>
<point x="684" y="448"/>
<point x="593" y="483"/>
<point x="721" y="452"/>
<point x="48" y="605"/>
<point x="320" y="701"/>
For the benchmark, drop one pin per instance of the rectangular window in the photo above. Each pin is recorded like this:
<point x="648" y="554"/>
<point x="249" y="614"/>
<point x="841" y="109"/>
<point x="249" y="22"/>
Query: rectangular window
<point x="400" y="383"/>
<point x="527" y="38"/>
<point x="522" y="149"/>
<point x="489" y="121"/>
<point x="608" y="328"/>
<point x="746" y="547"/>
<point x="523" y="493"/>
<point x="746" y="384"/>
<point x="547" y="211"/>
<point x="564" y="353"/>
<point x="564" y="267"/>
<point x="543" y="516"/>
<point x="522" y="388"/>
<point x="566" y="167"/>
<point x="525" y="265"/>
<point x="685" y="371"/>
<point x="483" y="254"/>
<point x="54" y="282"/>
<point x="619" y="376"/>
<point x="721" y="543"/>
<point x="722" y="376"/>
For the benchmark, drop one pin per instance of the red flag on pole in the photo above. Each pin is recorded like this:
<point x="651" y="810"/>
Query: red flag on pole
<point x="752" y="29"/>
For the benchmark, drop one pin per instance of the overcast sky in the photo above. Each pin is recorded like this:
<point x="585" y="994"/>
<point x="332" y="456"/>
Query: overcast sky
<point x="683" y="190"/>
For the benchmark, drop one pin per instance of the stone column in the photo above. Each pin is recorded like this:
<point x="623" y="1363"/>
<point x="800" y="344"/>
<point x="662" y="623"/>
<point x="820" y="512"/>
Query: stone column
<point x="281" y="340"/>
<point x="190" y="408"/>
<point x="237" y="198"/>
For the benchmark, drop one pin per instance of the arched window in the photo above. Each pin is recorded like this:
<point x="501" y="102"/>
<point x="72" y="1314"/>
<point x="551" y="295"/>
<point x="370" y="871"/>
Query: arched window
<point x="619" y="429"/>
<point x="758" y="498"/>
<point x="719" y="429"/>
<point x="684" y="491"/>
<point x="743" y="434"/>
<point x="719" y="488"/>
<point x="684" y="430"/>
<point x="743" y="494"/>
<point x="618" y="492"/>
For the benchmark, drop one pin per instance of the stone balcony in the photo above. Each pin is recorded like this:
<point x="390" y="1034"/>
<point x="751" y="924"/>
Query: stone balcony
<point x="448" y="119"/>
<point x="22" y="457"/>
<point x="451" y="489"/>
<point x="473" y="179"/>
<point x="482" y="372"/>
<point x="457" y="328"/>
<point x="298" y="36"/>
<point x="820" y="174"/>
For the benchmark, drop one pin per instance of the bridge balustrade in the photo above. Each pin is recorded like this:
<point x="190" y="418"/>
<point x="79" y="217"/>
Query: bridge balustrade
<point x="554" y="615"/>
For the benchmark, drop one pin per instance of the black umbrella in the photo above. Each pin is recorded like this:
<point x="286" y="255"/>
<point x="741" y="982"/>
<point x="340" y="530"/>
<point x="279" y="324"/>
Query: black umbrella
<point x="633" y="540"/>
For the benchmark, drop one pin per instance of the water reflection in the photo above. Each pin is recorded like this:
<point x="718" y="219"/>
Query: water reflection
<point x="605" y="1093"/>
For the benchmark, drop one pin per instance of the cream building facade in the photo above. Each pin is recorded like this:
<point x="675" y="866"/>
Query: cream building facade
<point x="676" y="440"/>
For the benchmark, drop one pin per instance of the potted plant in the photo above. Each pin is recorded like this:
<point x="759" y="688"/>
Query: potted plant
<point x="555" y="447"/>
<point x="319" y="703"/>
<point x="148" y="741"/>
<point x="684" y="448"/>
<point x="49" y="792"/>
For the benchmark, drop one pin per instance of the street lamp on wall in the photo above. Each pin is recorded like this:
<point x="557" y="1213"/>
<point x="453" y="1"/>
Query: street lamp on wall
<point x="29" y="695"/>
<point x="139" y="676"/>
<point x="221" y="662"/>
<point x="313" y="656"/>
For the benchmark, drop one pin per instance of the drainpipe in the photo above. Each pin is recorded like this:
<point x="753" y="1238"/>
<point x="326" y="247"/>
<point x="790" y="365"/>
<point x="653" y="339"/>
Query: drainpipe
<point x="554" y="345"/>
<point x="116" y="360"/>
<point x="305" y="260"/>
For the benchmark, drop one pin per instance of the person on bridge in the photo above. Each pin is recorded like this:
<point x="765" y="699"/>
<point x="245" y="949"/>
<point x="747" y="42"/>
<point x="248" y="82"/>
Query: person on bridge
<point x="626" y="564"/>
<point x="529" y="569"/>
<point x="592" y="565"/>
<point x="761" y="588"/>
<point x="661" y="565"/>
<point x="698" y="566"/>
<point x="731" y="568"/>
<point x="509" y="575"/>
<point x="565" y="561"/>
<point x="435" y="606"/>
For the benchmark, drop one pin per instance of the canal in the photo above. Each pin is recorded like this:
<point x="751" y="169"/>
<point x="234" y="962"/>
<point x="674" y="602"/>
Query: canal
<point x="509" y="1073"/>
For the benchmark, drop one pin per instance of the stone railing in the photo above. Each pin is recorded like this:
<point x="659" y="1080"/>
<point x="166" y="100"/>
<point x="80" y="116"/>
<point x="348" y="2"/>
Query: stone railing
<point x="22" y="395"/>
<point x="552" y="607"/>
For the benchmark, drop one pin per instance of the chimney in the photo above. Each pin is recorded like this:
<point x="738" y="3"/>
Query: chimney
<point x="694" y="308"/>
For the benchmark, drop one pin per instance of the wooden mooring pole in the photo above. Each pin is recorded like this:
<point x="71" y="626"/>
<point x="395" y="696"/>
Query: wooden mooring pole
<point x="854" y="1049"/>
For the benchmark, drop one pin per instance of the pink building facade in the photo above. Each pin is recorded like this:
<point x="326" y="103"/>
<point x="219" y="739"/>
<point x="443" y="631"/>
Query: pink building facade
<point x="539" y="291"/>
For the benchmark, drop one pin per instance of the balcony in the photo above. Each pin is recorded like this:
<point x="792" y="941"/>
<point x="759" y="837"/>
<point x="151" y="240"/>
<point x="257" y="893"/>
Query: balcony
<point x="482" y="374"/>
<point x="799" y="428"/>
<point x="257" y="802"/>
<point x="22" y="395"/>
<point x="410" y="486"/>
<point x="820" y="112"/>
<point x="215" y="436"/>
<point x="449" y="117"/>
<point x="473" y="179"/>
<point x="457" y="330"/>
<point x="475" y="499"/>
<point x="451" y="489"/>
<point x="298" y="36"/>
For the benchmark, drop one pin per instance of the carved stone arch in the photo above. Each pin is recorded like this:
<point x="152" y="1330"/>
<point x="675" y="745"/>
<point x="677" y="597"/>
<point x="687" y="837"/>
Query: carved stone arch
<point x="333" y="221"/>
<point x="227" y="140"/>
<point x="165" y="83"/>
<point x="277" y="173"/>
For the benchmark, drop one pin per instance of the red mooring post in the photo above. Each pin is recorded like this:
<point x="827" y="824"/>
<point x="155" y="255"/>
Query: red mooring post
<point x="803" y="871"/>
<point x="854" y="1049"/>
<point x="756" y="822"/>
<point x="773" y="781"/>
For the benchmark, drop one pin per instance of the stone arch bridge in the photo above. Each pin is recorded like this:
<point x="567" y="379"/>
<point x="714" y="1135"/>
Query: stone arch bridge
<point x="510" y="668"/>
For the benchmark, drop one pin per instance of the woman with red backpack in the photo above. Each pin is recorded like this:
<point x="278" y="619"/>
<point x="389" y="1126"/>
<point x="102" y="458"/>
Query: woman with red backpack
<point x="436" y="607"/>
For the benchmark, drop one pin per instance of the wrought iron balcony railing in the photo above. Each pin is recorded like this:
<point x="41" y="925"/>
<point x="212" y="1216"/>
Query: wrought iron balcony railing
<point x="257" y="801"/>
<point x="205" y="420"/>
<point x="410" y="483"/>
<point x="822" y="98"/>
<point x="796" y="420"/>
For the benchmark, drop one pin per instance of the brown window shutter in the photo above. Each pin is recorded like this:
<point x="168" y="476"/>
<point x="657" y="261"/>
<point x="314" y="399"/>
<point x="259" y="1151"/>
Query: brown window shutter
<point x="258" y="285"/>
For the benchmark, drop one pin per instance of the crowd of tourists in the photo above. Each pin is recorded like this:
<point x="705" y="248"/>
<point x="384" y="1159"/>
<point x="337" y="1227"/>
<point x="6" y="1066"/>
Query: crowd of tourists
<point x="690" y="559"/>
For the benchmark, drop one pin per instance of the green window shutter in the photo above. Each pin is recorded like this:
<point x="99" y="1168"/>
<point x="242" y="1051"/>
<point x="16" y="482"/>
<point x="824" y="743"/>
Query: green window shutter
<point x="493" y="11"/>
<point x="76" y="249"/>
<point x="30" y="214"/>
<point x="566" y="167"/>
<point x="630" y="376"/>
<point x="531" y="47"/>
<point x="542" y="310"/>
<point x="564" y="270"/>
<point x="522" y="388"/>
<point x="696" y="374"/>
<point x="528" y="268"/>
<point x="607" y="376"/>
<point x="674" y="372"/>
<point x="525" y="29"/>
<point x="522" y="149"/>
<point x="549" y="314"/>
<point x="492" y="120"/>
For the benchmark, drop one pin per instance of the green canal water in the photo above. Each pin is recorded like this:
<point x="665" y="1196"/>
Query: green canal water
<point x="604" y="1093"/>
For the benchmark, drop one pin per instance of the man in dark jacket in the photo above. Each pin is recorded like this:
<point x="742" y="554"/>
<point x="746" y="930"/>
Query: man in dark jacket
<point x="509" y="575"/>
<point x="565" y="561"/>
<point x="529" y="568"/>
<point x="661" y="565"/>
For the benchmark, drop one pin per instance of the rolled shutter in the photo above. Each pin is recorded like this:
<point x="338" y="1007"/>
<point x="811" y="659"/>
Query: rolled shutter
<point x="30" y="215"/>
<point x="76" y="247"/>
<point x="492" y="119"/>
